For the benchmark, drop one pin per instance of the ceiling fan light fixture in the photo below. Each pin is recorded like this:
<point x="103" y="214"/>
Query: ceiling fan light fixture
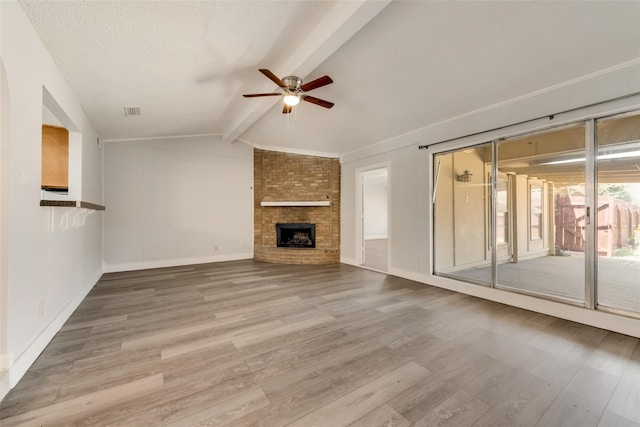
<point x="293" y="91"/>
<point x="291" y="99"/>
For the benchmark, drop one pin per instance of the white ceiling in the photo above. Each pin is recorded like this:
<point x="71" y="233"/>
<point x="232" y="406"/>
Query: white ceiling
<point x="409" y="64"/>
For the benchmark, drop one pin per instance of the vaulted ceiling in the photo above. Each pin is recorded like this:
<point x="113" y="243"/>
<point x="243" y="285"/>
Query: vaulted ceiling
<point x="396" y="65"/>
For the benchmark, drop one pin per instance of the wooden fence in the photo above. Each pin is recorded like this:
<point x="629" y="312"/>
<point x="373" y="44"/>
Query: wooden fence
<point x="618" y="223"/>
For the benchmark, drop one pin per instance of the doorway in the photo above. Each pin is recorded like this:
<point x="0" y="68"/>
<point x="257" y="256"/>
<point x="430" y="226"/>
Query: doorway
<point x="375" y="219"/>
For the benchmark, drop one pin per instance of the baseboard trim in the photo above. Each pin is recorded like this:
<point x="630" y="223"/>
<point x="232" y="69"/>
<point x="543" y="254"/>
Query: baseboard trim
<point x="350" y="261"/>
<point x="19" y="366"/>
<point x="377" y="237"/>
<point x="146" y="265"/>
<point x="599" y="319"/>
<point x="4" y="362"/>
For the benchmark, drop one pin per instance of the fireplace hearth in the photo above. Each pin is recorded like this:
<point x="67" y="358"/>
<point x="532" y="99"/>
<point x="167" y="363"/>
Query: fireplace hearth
<point x="296" y="235"/>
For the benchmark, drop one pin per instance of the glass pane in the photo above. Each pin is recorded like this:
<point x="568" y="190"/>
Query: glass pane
<point x="618" y="219"/>
<point x="461" y="214"/>
<point x="545" y="252"/>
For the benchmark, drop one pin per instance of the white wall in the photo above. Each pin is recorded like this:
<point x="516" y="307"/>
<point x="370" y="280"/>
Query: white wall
<point x="48" y="272"/>
<point x="404" y="209"/>
<point x="374" y="194"/>
<point x="410" y="180"/>
<point x="177" y="201"/>
<point x="5" y="137"/>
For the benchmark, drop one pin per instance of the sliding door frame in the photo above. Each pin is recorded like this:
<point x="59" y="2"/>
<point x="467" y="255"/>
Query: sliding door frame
<point x="590" y="276"/>
<point x="591" y="197"/>
<point x="604" y="308"/>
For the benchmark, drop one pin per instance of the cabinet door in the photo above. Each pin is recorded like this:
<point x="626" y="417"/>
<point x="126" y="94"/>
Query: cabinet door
<point x="55" y="157"/>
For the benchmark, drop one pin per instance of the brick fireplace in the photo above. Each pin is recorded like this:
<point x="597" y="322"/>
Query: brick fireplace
<point x="302" y="192"/>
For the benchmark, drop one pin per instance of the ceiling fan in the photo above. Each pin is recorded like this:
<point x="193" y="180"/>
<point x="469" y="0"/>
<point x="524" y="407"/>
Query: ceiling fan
<point x="294" y="90"/>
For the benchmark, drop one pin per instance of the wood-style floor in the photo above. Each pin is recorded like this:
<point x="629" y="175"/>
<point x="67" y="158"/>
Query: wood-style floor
<point x="375" y="251"/>
<point x="246" y="343"/>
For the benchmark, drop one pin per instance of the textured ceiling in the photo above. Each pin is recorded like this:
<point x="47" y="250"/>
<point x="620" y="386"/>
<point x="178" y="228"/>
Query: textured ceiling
<point x="182" y="63"/>
<point x="409" y="64"/>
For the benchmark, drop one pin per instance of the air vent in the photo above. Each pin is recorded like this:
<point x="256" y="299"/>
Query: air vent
<point x="131" y="111"/>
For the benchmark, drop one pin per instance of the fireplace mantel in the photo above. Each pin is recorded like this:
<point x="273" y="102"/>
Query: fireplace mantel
<point x="297" y="203"/>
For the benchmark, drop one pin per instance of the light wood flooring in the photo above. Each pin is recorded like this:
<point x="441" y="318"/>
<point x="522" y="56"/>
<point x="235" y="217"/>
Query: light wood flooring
<point x="246" y="343"/>
<point x="375" y="251"/>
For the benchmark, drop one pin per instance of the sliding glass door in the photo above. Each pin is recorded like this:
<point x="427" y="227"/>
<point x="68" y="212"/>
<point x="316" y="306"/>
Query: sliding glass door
<point x="462" y="208"/>
<point x="554" y="214"/>
<point x="547" y="195"/>
<point x="618" y="218"/>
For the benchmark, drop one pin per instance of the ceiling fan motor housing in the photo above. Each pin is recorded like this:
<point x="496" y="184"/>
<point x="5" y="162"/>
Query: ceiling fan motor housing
<point x="294" y="90"/>
<point x="292" y="83"/>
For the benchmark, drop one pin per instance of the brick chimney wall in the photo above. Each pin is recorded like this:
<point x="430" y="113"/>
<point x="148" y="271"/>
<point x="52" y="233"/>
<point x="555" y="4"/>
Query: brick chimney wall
<point x="285" y="177"/>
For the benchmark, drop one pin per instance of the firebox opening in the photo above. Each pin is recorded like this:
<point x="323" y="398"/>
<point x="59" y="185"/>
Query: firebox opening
<point x="296" y="235"/>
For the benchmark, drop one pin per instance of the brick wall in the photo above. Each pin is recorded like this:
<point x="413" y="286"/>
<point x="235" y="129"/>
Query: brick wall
<point x="292" y="177"/>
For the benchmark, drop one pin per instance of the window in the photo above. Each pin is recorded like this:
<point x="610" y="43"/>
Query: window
<point x="535" y="212"/>
<point x="502" y="211"/>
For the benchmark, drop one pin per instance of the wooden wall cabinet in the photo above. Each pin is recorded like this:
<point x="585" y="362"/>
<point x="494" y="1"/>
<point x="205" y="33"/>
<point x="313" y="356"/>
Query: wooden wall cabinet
<point x="55" y="157"/>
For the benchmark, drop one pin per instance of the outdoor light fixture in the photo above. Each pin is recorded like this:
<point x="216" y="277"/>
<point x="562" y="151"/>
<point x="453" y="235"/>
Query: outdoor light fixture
<point x="291" y="99"/>
<point x="464" y="177"/>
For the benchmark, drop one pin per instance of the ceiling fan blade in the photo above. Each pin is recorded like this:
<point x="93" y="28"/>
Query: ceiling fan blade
<point x="287" y="109"/>
<point x="318" y="101"/>
<point x="273" y="77"/>
<point x="322" y="81"/>
<point x="254" y="95"/>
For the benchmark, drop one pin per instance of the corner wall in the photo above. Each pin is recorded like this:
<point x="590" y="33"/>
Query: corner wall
<point x="177" y="201"/>
<point x="49" y="272"/>
<point x="285" y="177"/>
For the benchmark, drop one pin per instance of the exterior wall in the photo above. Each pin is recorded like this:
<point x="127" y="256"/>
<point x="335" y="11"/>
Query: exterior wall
<point x="177" y="201"/>
<point x="469" y="213"/>
<point x="48" y="273"/>
<point x="461" y="219"/>
<point x="376" y="221"/>
<point x="296" y="178"/>
<point x="462" y="226"/>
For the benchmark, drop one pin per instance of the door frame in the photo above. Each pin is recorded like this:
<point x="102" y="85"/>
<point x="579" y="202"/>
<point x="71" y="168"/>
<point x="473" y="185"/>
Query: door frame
<point x="359" y="211"/>
<point x="5" y="144"/>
